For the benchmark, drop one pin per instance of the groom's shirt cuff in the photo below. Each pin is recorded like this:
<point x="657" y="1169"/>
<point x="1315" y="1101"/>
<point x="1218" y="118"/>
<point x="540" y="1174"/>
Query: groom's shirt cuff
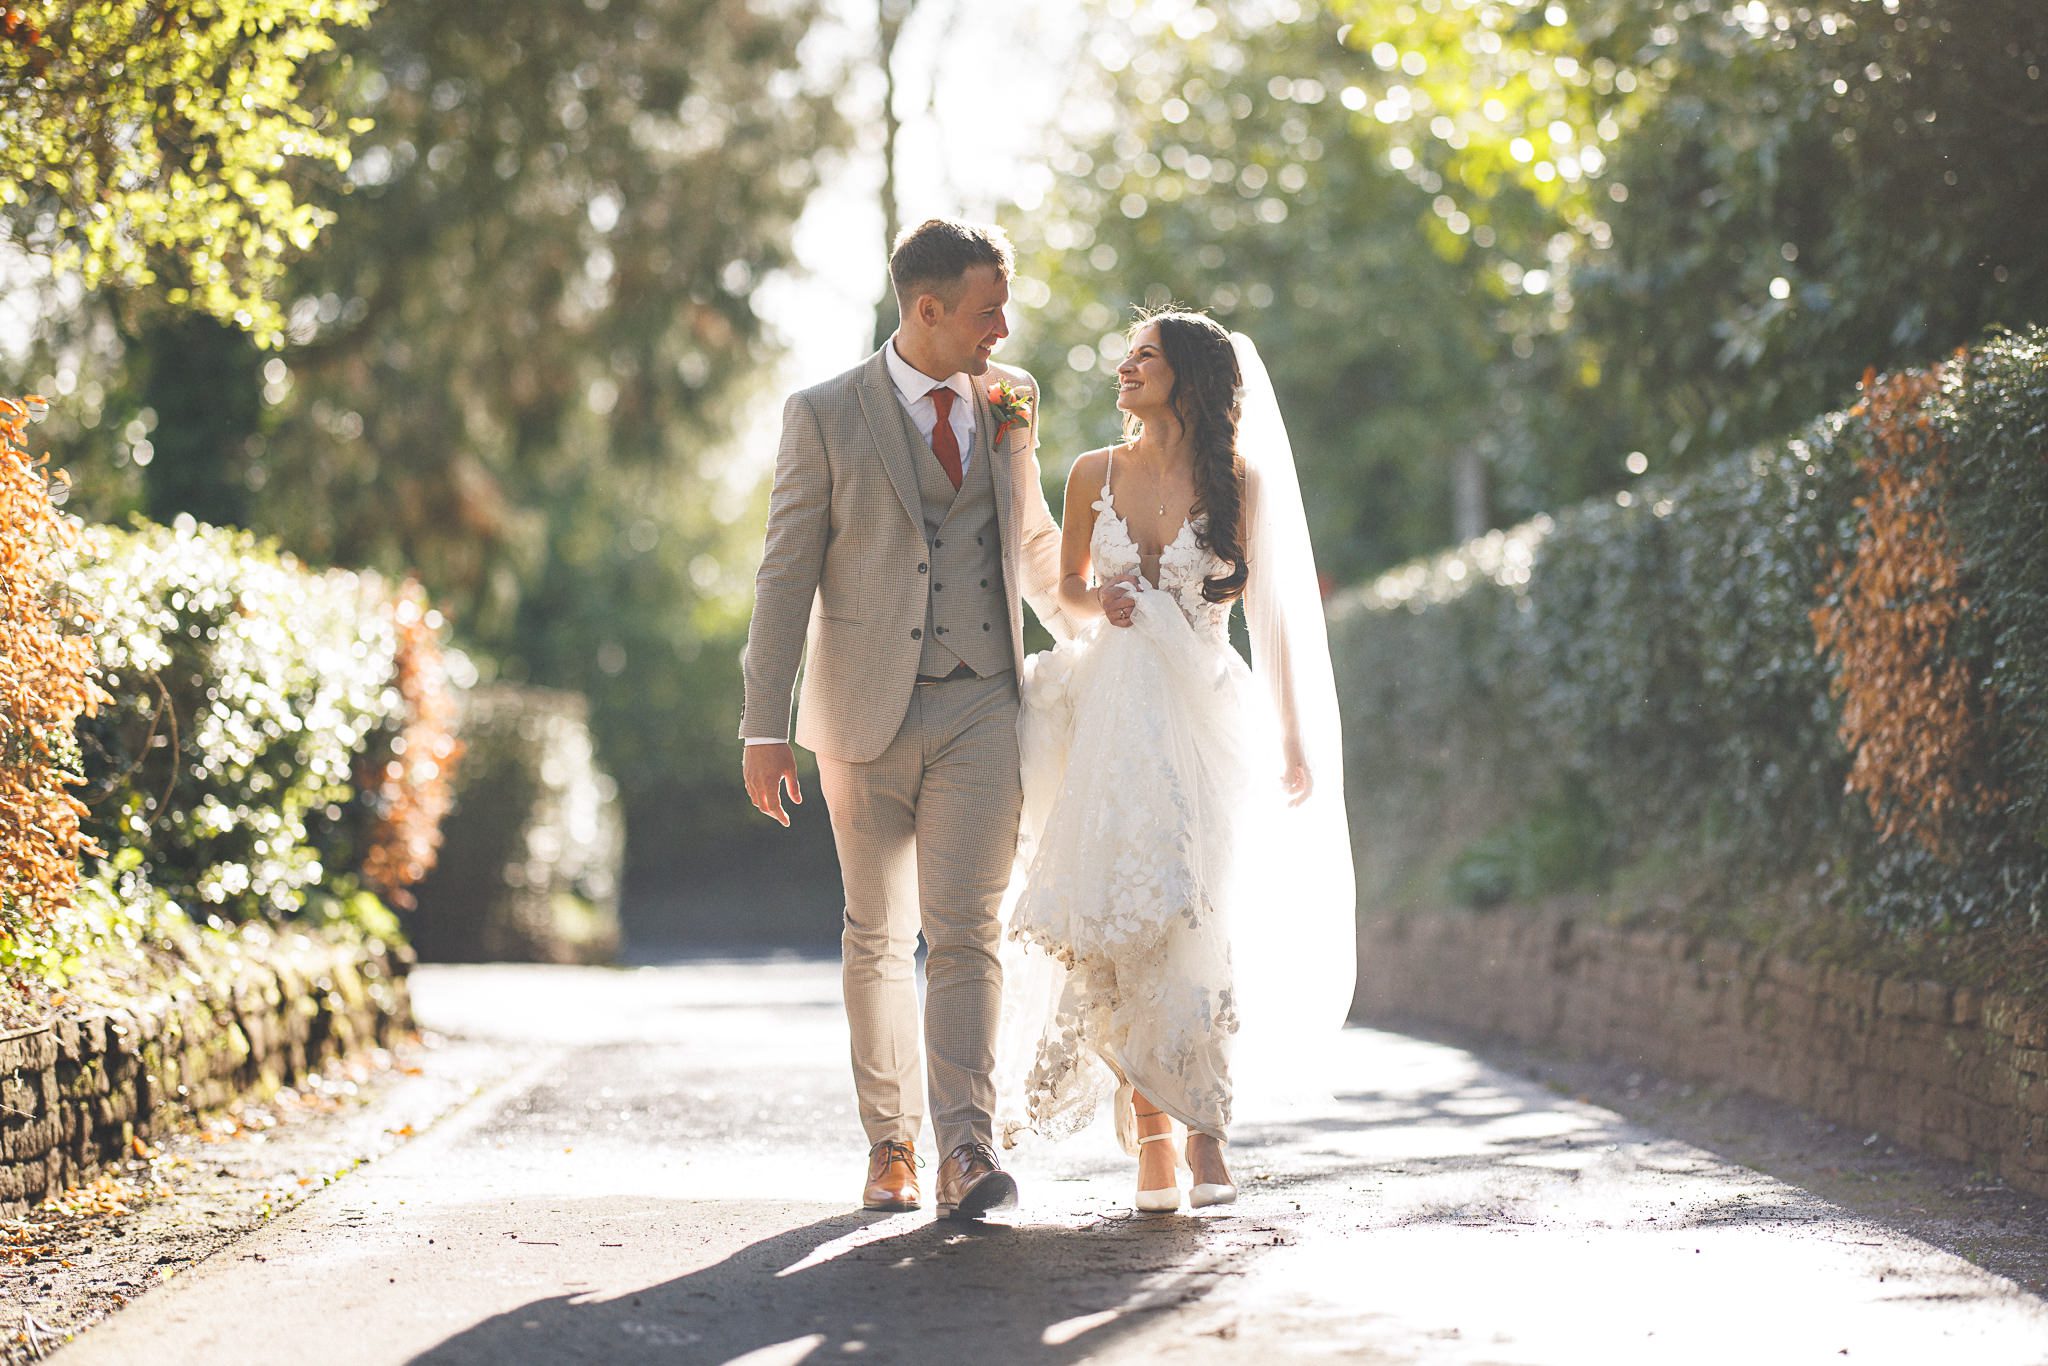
<point x="761" y="740"/>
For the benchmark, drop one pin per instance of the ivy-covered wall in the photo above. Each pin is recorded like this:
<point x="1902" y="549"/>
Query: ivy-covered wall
<point x="1820" y="664"/>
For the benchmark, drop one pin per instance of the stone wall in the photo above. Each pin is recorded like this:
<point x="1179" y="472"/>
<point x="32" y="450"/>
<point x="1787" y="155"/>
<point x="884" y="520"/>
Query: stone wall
<point x="75" y="1093"/>
<point x="1946" y="1070"/>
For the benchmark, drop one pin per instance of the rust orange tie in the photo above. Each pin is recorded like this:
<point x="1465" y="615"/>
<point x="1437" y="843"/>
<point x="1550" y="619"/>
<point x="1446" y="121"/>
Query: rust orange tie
<point x="944" y="444"/>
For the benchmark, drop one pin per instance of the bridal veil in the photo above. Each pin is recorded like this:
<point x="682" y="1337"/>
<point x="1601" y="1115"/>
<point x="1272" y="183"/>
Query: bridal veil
<point x="1294" y="949"/>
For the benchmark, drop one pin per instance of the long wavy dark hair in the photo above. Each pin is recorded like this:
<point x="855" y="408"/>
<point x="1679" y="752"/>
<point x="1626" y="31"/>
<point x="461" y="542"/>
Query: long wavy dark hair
<point x="1204" y="398"/>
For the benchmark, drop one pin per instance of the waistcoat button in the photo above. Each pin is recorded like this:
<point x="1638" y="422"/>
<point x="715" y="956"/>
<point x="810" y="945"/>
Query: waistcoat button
<point x="916" y="633"/>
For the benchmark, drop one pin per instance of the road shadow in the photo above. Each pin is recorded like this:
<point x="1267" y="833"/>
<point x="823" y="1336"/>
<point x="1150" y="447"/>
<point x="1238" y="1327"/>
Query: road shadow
<point x="1832" y="1168"/>
<point x="870" y="1287"/>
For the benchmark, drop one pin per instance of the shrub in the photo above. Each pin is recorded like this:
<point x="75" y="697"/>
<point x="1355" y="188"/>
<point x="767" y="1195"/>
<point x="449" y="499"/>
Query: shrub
<point x="277" y="741"/>
<point x="1994" y="410"/>
<point x="1562" y="844"/>
<point x="1647" y="664"/>
<point x="404" y="776"/>
<point x="1912" y="706"/>
<point x="45" y="686"/>
<point x="531" y="866"/>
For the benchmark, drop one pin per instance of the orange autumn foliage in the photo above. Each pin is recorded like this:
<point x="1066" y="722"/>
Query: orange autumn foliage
<point x="415" y="784"/>
<point x="1913" y="711"/>
<point x="46" y="684"/>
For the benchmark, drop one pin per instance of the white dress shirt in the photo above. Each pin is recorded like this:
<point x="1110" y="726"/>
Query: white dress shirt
<point x="914" y="391"/>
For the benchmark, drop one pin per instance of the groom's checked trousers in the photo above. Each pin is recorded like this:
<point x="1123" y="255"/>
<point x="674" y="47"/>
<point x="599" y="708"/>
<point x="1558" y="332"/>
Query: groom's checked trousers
<point x="926" y="832"/>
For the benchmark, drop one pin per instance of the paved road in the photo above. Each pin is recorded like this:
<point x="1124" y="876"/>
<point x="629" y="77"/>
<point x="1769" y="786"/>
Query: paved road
<point x="663" y="1176"/>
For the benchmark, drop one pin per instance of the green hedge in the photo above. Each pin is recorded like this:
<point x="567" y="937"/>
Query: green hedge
<point x="244" y="687"/>
<point x="1996" y="408"/>
<point x="274" y="749"/>
<point x="1634" y="688"/>
<point x="269" y="729"/>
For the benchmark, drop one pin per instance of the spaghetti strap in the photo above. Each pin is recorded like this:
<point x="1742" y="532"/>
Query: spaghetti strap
<point x="1108" y="468"/>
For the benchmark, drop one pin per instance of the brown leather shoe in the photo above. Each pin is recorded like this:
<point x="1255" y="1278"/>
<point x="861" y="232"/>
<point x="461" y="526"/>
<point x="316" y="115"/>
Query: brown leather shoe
<point x="892" y="1177"/>
<point x="972" y="1182"/>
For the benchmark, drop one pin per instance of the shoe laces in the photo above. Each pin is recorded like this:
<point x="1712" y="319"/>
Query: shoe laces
<point x="893" y="1151"/>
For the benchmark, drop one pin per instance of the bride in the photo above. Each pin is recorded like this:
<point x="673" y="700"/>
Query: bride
<point x="1182" y="931"/>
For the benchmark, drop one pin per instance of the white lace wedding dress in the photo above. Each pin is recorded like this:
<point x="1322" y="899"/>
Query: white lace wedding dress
<point x="1150" y="767"/>
<point x="1175" y="924"/>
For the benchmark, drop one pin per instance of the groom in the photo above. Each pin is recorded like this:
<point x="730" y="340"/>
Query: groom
<point x="906" y="522"/>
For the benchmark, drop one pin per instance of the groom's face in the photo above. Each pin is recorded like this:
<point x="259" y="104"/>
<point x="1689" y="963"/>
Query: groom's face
<point x="967" y="333"/>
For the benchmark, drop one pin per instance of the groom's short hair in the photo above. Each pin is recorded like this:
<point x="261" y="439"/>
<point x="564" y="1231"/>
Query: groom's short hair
<point x="932" y="257"/>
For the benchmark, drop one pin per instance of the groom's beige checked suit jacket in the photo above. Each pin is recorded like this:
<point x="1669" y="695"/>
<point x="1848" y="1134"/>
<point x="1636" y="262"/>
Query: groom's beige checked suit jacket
<point x="840" y="590"/>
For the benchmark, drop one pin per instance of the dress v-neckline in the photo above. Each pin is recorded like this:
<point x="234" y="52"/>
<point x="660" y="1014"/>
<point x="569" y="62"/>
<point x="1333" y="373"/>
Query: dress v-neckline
<point x="1187" y="524"/>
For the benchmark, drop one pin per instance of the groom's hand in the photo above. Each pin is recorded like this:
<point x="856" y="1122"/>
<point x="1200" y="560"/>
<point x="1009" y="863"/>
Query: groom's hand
<point x="767" y="769"/>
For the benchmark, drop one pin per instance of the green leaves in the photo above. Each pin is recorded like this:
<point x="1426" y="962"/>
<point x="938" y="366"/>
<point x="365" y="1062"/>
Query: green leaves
<point x="1995" y="413"/>
<point x="1534" y="238"/>
<point x="1637" y="683"/>
<point x="1235" y="180"/>
<point x="515" y="361"/>
<point x="152" y="144"/>
<point x="244" y="688"/>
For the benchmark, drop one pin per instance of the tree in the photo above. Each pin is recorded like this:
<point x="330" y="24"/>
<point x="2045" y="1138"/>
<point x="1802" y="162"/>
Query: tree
<point x="145" y="143"/>
<point x="891" y="16"/>
<point x="1751" y="203"/>
<point x="1564" y="242"/>
<point x="1233" y="178"/>
<point x="515" y="364"/>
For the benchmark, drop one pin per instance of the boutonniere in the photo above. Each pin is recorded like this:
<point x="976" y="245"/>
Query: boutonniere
<point x="1012" y="406"/>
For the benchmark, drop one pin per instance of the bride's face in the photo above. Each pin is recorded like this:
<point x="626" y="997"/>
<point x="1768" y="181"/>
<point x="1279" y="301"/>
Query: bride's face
<point x="1144" y="380"/>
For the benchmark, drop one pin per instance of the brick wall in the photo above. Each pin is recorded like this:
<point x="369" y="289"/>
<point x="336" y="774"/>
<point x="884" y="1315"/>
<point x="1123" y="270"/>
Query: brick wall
<point x="76" y="1092"/>
<point x="1946" y="1070"/>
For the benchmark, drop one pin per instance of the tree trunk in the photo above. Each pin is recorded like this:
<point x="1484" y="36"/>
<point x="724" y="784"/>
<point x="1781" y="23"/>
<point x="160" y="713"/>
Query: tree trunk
<point x="1469" y="517"/>
<point x="890" y="15"/>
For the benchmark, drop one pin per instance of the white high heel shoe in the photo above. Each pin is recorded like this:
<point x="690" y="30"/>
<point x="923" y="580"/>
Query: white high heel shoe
<point x="1165" y="1199"/>
<point x="1205" y="1193"/>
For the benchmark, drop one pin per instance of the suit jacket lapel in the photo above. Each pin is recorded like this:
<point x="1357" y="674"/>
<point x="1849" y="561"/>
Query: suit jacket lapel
<point x="998" y="455"/>
<point x="894" y="435"/>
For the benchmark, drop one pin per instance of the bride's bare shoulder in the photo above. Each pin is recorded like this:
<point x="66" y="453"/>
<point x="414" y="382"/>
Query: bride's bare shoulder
<point x="1090" y="469"/>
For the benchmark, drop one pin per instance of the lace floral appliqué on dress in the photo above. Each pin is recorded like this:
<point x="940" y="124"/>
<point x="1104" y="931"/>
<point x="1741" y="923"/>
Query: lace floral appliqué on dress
<point x="1147" y="763"/>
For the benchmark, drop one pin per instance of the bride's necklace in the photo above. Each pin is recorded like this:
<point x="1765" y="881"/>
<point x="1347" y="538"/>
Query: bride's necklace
<point x="1158" y="477"/>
